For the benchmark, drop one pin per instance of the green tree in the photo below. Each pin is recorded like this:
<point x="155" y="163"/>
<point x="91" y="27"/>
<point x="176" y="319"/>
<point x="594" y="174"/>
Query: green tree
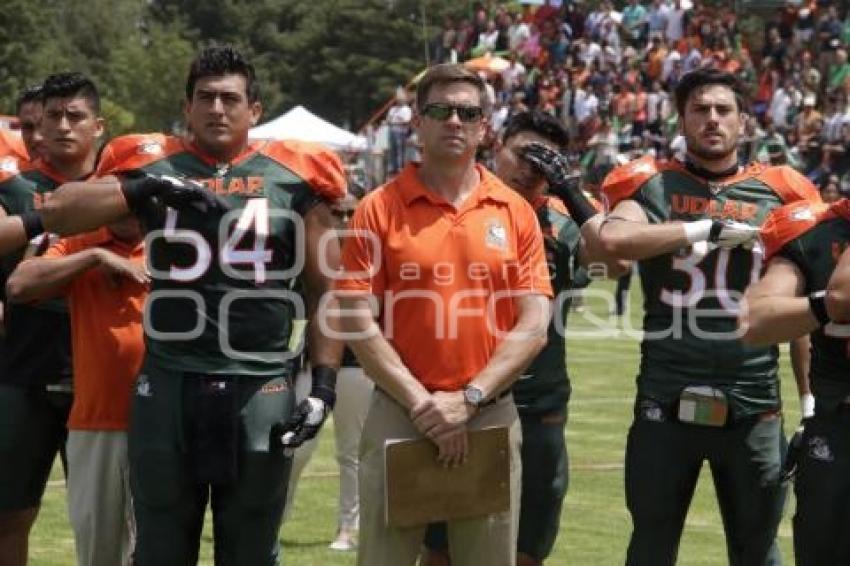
<point x="31" y="46"/>
<point x="146" y="75"/>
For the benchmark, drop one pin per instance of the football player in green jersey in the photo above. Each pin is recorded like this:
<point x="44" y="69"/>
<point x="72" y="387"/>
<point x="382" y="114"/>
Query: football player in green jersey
<point x="214" y="412"/>
<point x="702" y="395"/>
<point x="803" y="243"/>
<point x="35" y="368"/>
<point x="529" y="161"/>
<point x="29" y="110"/>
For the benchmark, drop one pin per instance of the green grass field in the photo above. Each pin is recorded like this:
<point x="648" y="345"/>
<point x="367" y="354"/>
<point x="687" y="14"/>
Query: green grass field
<point x="594" y="524"/>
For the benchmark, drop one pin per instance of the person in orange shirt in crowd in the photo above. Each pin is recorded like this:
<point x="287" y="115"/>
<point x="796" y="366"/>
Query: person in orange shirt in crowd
<point x="448" y="233"/>
<point x="102" y="274"/>
<point x="655" y="58"/>
<point x="11" y="147"/>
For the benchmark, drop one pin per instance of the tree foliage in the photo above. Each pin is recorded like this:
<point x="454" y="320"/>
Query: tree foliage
<point x="340" y="58"/>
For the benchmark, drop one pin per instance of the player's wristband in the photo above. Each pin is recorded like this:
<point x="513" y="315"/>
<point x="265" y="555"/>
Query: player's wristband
<point x="324" y="384"/>
<point x="698" y="230"/>
<point x="817" y="304"/>
<point x="580" y="208"/>
<point x="807" y="405"/>
<point x="33" y="225"/>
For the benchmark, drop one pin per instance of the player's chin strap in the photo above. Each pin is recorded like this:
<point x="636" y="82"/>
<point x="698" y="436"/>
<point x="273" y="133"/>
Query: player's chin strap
<point x="709" y="175"/>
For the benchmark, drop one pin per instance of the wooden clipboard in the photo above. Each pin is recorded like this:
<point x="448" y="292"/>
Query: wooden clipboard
<point x="419" y="490"/>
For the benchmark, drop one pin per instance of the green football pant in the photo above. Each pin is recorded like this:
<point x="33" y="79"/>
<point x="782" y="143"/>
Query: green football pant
<point x="545" y="476"/>
<point x="168" y="498"/>
<point x="663" y="462"/>
<point x="32" y="432"/>
<point x="822" y="486"/>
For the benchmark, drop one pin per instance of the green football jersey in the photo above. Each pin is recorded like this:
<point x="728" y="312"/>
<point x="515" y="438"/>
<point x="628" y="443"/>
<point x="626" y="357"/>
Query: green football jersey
<point x="221" y="299"/>
<point x="814" y="237"/>
<point x="545" y="386"/>
<point x="691" y="296"/>
<point x="36" y="347"/>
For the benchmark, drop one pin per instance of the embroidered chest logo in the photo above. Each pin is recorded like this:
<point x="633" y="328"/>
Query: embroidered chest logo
<point x="802" y="214"/>
<point x="819" y="449"/>
<point x="143" y="386"/>
<point x="641" y="168"/>
<point x="496" y="236"/>
<point x="9" y="165"/>
<point x="149" y="147"/>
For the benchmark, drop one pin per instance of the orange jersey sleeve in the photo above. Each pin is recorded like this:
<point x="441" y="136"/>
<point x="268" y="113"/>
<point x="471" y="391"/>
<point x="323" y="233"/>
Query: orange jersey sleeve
<point x="316" y="164"/>
<point x="790" y="185"/>
<point x="362" y="261"/>
<point x="134" y="151"/>
<point x="533" y="272"/>
<point x="552" y="202"/>
<point x="791" y="221"/>
<point x="11" y="144"/>
<point x="625" y="180"/>
<point x="10" y="167"/>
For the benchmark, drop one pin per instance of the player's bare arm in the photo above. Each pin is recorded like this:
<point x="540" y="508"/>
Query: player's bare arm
<point x="591" y="251"/>
<point x="800" y="350"/>
<point x="325" y="351"/>
<point x="774" y="309"/>
<point x="41" y="278"/>
<point x="84" y="206"/>
<point x="319" y="226"/>
<point x="627" y="234"/>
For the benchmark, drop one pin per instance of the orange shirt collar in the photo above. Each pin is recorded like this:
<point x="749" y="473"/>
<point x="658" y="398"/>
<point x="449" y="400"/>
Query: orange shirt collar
<point x="412" y="188"/>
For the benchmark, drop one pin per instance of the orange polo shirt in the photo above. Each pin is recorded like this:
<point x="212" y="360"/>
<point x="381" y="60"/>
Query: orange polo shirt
<point x="445" y="277"/>
<point x="106" y="335"/>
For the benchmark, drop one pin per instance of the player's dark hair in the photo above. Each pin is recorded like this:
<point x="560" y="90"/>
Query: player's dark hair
<point x="71" y="85"/>
<point x="220" y="60"/>
<point x="703" y="77"/>
<point x="541" y="123"/>
<point x="34" y="93"/>
<point x="448" y="73"/>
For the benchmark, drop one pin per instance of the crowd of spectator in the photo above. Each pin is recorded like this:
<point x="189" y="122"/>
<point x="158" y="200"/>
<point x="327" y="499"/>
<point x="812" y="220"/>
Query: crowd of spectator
<point x="608" y="71"/>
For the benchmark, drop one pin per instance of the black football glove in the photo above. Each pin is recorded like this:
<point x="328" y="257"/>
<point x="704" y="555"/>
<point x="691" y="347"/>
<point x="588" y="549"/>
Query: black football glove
<point x="556" y="169"/>
<point x="311" y="413"/>
<point x="177" y="192"/>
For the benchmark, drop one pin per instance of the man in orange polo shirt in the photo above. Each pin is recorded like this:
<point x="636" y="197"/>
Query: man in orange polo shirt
<point x="103" y="276"/>
<point x="455" y="260"/>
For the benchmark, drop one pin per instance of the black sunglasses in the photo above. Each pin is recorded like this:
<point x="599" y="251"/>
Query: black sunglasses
<point x="442" y="111"/>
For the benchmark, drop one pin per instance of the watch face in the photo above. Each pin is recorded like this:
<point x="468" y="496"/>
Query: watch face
<point x="473" y="395"/>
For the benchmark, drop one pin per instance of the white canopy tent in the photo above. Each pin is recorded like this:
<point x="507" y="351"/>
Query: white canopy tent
<point x="302" y="125"/>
